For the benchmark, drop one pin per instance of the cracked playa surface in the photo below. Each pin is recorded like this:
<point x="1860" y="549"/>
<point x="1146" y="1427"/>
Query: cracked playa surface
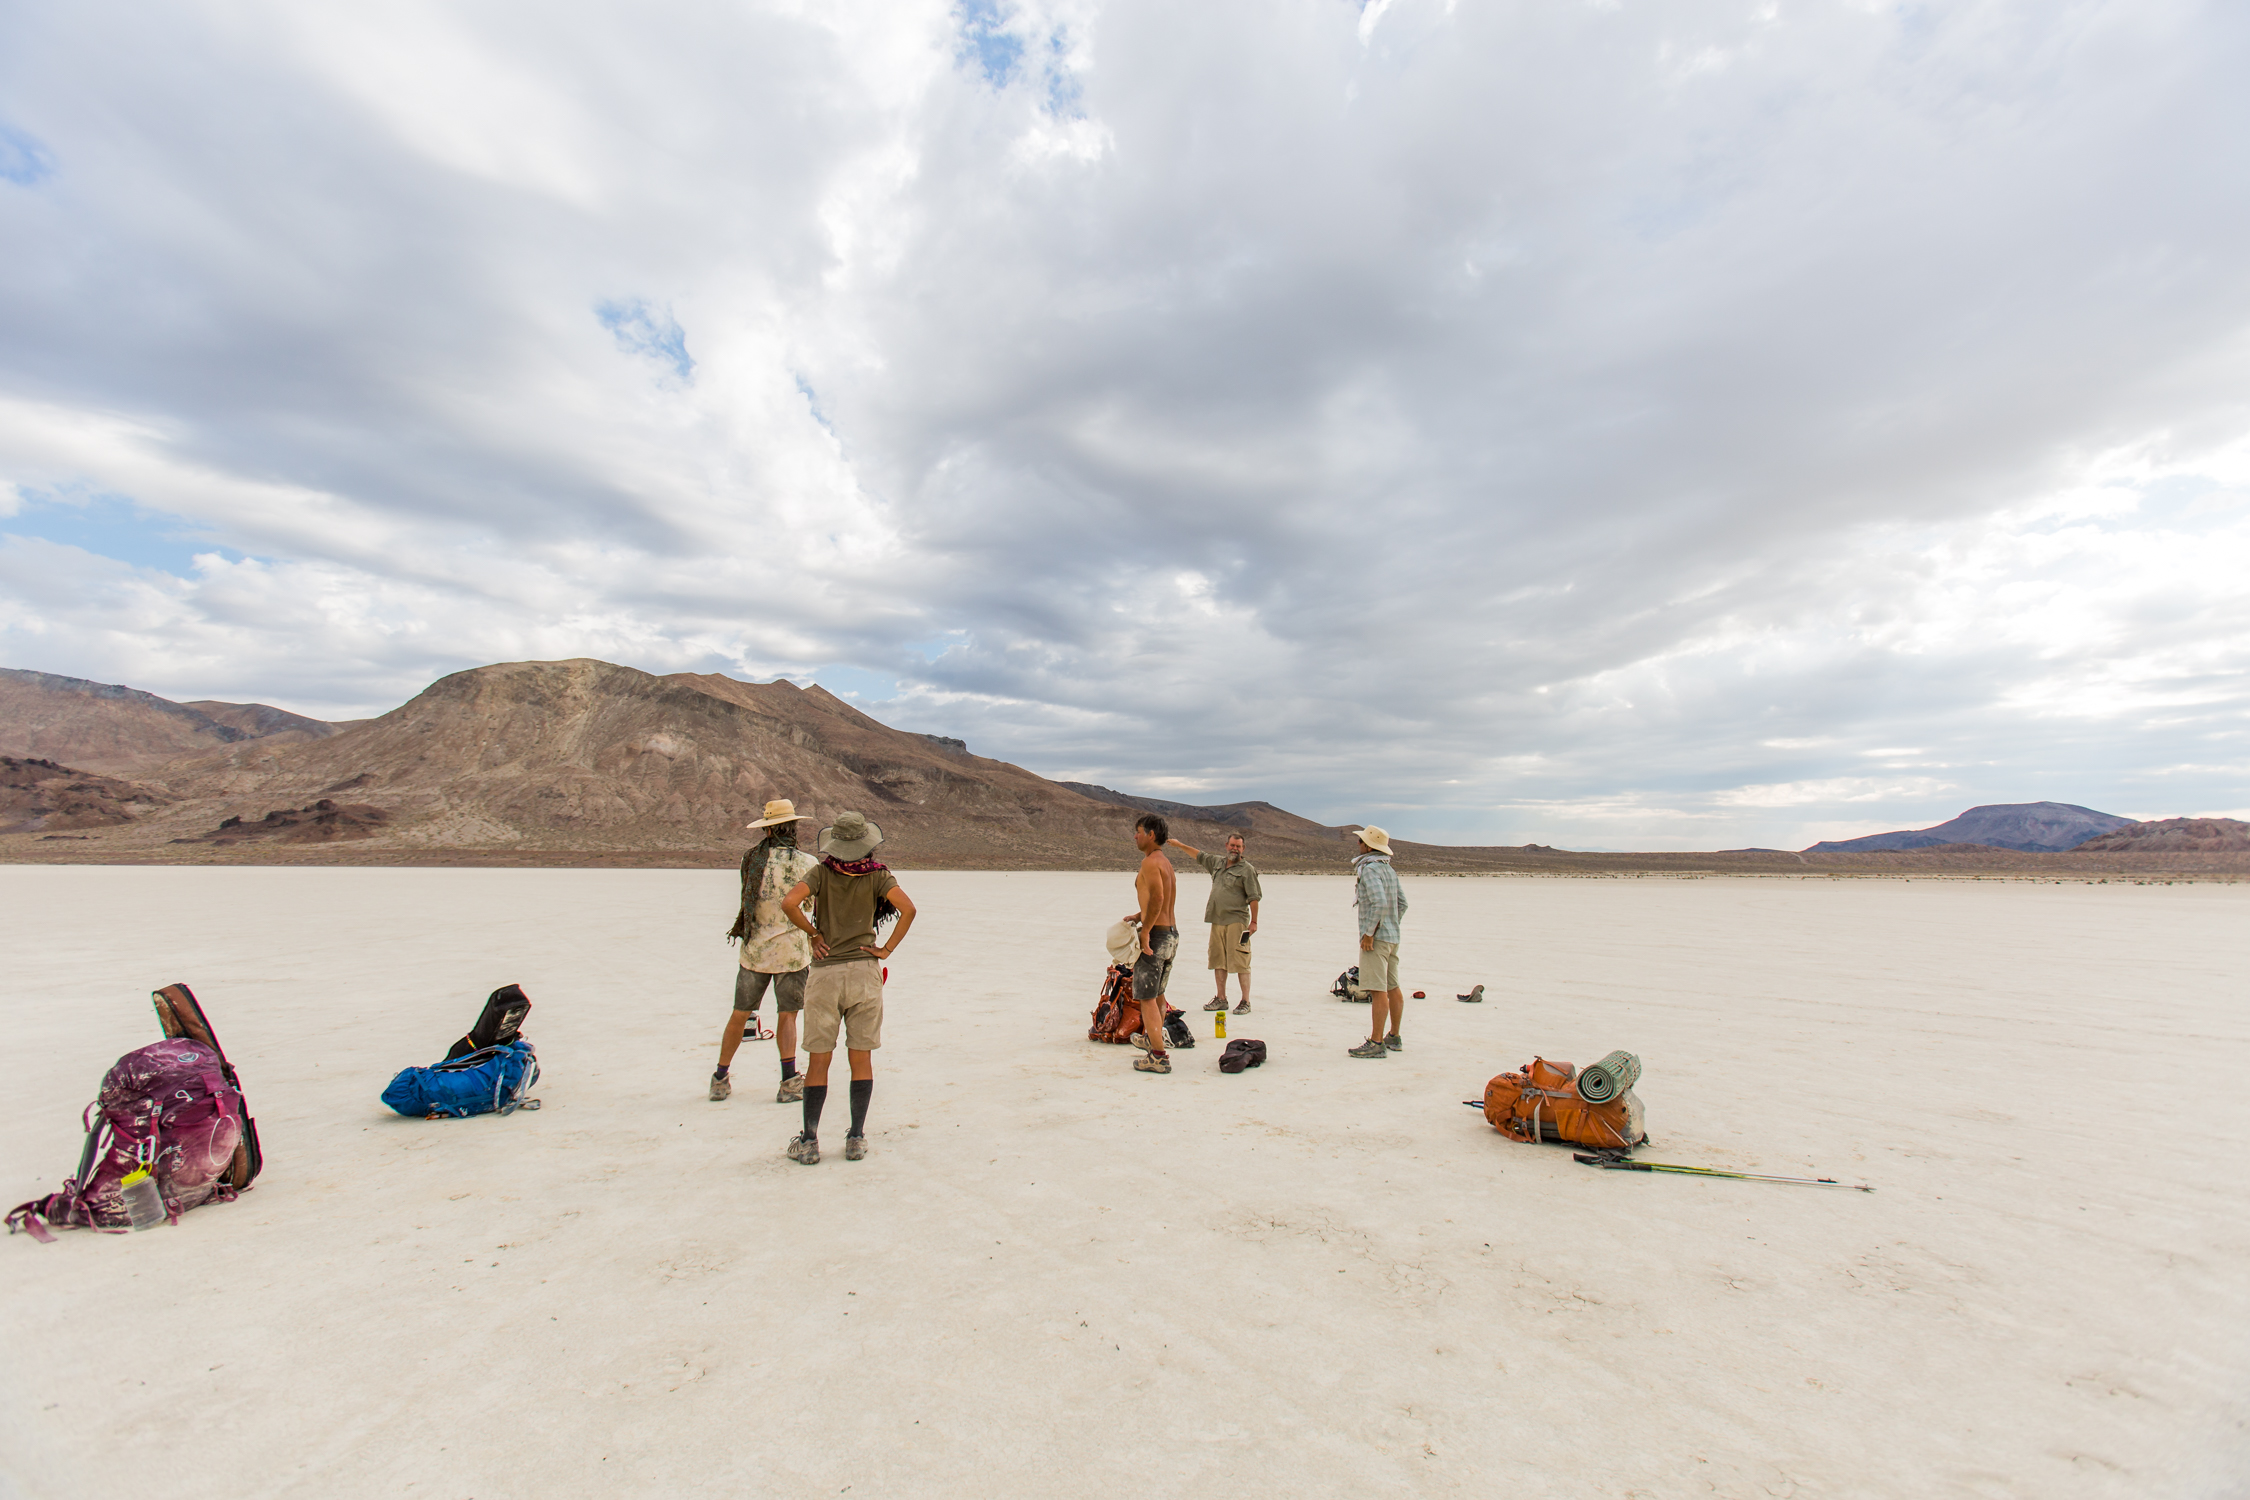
<point x="1055" y="1277"/>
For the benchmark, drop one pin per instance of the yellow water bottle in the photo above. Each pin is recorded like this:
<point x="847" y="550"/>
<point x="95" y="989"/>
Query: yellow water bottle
<point x="1219" y="1025"/>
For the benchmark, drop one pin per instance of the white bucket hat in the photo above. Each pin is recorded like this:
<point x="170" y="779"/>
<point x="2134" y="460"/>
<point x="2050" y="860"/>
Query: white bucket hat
<point x="1124" y="943"/>
<point x="783" y="811"/>
<point x="1375" y="839"/>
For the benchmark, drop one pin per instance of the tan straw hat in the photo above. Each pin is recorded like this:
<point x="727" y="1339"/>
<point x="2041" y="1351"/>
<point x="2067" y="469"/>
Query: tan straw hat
<point x="851" y="836"/>
<point x="784" y="811"/>
<point x="1375" y="839"/>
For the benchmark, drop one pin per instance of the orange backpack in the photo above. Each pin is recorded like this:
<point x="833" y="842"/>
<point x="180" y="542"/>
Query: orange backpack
<point x="1539" y="1104"/>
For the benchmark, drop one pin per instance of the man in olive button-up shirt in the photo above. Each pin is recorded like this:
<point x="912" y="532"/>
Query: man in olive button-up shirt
<point x="1232" y="912"/>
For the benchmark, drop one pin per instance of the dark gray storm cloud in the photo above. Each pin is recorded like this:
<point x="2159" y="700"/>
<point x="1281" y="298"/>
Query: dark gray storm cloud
<point x="1609" y="423"/>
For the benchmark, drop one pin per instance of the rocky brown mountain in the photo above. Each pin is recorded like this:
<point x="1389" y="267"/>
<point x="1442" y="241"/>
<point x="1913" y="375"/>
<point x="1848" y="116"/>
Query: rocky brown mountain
<point x="114" y="730"/>
<point x="587" y="755"/>
<point x="2173" y="836"/>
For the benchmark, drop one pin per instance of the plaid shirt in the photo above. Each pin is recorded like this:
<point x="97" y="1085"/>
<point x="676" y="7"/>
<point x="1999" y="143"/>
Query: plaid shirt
<point x="1381" y="902"/>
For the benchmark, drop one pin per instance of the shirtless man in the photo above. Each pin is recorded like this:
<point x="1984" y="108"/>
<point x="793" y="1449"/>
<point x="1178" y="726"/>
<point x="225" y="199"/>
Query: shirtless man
<point x="1156" y="886"/>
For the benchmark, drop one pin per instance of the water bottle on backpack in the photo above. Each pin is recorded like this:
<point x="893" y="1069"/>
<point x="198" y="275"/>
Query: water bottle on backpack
<point x="144" y="1201"/>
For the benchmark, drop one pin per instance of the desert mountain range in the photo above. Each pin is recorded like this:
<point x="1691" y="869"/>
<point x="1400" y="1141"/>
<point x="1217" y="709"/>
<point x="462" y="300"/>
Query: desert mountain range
<point x="588" y="762"/>
<point x="2033" y="827"/>
<point x="122" y="731"/>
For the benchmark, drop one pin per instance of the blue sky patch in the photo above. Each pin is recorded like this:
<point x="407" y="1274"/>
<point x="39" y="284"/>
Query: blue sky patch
<point x="985" y="37"/>
<point x="23" y="159"/>
<point x="860" y="686"/>
<point x="641" y="329"/>
<point x="114" y="527"/>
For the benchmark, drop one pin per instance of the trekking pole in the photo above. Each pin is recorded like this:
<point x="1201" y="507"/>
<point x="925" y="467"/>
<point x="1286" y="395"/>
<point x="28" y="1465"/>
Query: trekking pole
<point x="1627" y="1164"/>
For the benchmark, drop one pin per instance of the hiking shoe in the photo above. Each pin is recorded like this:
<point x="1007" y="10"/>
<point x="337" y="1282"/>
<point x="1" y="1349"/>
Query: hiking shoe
<point x="721" y="1086"/>
<point x="1140" y="1040"/>
<point x="804" y="1148"/>
<point x="1392" y="1042"/>
<point x="1474" y="997"/>
<point x="1244" y="1008"/>
<point x="1152" y="1062"/>
<point x="792" y="1091"/>
<point x="1217" y="1003"/>
<point x="1369" y="1049"/>
<point x="855" y="1147"/>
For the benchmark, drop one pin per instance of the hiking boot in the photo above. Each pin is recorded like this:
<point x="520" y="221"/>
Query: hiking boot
<point x="1152" y="1062"/>
<point x="1244" y="1008"/>
<point x="855" y="1147"/>
<point x="1392" y="1042"/>
<point x="721" y="1086"/>
<point x="1369" y="1049"/>
<point x="1218" y="1003"/>
<point x="792" y="1090"/>
<point x="1140" y="1040"/>
<point x="804" y="1148"/>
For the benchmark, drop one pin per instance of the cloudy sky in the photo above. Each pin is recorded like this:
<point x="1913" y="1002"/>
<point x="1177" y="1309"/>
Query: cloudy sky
<point x="1609" y="423"/>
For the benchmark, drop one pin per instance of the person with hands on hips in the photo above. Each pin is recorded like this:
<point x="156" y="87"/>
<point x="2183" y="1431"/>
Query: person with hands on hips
<point x="853" y="896"/>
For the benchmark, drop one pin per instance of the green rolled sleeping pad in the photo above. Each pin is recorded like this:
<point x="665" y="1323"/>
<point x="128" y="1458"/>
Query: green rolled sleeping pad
<point x="1605" y="1080"/>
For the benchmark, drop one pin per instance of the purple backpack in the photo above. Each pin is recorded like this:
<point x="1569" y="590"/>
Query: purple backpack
<point x="174" y="1107"/>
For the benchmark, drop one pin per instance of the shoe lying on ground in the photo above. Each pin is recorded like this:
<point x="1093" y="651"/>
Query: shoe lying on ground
<point x="1220" y="1003"/>
<point x="1474" y="997"/>
<point x="1392" y="1042"/>
<point x="855" y="1147"/>
<point x="1243" y="1009"/>
<point x="721" y="1086"/>
<point x="1152" y="1062"/>
<point x="804" y="1148"/>
<point x="792" y="1090"/>
<point x="1369" y="1049"/>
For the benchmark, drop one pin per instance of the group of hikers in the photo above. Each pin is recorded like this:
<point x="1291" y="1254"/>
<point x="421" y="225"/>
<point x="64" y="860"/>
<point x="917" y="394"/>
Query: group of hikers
<point x="826" y="967"/>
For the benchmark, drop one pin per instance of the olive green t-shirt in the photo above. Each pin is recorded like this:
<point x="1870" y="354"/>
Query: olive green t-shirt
<point x="1233" y="888"/>
<point x="844" y="912"/>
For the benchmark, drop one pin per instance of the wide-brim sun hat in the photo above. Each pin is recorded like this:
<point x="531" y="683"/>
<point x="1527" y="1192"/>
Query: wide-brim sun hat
<point x="1123" y="942"/>
<point x="1375" y="839"/>
<point x="782" y="811"/>
<point x="851" y="836"/>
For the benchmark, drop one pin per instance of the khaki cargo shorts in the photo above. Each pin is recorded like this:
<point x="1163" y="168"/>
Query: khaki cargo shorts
<point x="1230" y="951"/>
<point x="1378" y="967"/>
<point x="845" y="997"/>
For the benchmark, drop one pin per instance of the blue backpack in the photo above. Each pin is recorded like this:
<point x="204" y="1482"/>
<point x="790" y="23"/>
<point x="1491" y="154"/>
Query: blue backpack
<point x="490" y="1080"/>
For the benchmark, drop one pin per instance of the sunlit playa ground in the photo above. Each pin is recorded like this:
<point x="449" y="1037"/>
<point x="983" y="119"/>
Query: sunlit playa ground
<point x="1056" y="1277"/>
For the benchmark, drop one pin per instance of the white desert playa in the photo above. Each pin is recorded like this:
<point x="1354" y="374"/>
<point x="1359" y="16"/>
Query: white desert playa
<point x="1056" y="1277"/>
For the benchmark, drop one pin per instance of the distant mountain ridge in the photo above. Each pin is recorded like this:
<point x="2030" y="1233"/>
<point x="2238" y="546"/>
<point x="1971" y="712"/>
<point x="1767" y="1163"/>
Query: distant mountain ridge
<point x="113" y="730"/>
<point x="2030" y="827"/>
<point x="2173" y="836"/>
<point x="587" y="755"/>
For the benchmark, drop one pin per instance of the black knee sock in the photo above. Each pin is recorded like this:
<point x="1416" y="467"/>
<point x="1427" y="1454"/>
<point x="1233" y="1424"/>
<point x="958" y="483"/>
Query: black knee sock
<point x="788" y="1069"/>
<point x="863" y="1089"/>
<point x="816" y="1094"/>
